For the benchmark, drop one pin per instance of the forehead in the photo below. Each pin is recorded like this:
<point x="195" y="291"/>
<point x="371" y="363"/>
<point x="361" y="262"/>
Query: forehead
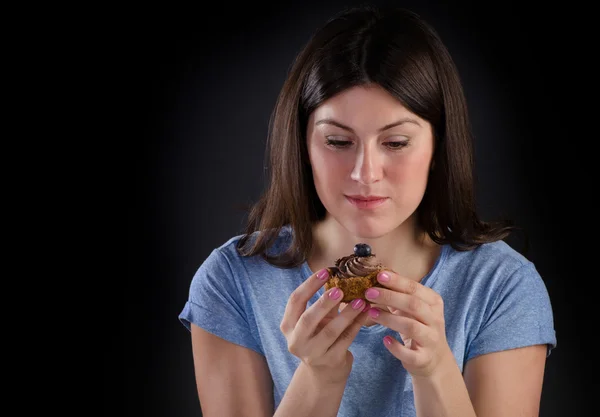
<point x="363" y="106"/>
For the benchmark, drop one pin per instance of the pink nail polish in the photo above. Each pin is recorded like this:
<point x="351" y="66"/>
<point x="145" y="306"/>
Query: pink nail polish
<point x="357" y="304"/>
<point x="371" y="293"/>
<point x="388" y="340"/>
<point x="383" y="277"/>
<point x="323" y="274"/>
<point x="374" y="313"/>
<point x="335" y="294"/>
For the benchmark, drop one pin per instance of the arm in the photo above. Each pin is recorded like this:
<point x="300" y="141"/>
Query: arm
<point x="235" y="381"/>
<point x="231" y="380"/>
<point x="443" y="393"/>
<point x="307" y="396"/>
<point x="499" y="384"/>
<point x="320" y="338"/>
<point x="507" y="383"/>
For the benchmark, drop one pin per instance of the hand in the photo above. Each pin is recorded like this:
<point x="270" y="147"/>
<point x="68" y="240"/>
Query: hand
<point x="319" y="335"/>
<point x="416" y="312"/>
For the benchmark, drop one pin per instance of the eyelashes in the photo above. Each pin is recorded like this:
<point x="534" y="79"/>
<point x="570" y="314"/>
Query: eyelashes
<point x="338" y="143"/>
<point x="397" y="144"/>
<point x="342" y="144"/>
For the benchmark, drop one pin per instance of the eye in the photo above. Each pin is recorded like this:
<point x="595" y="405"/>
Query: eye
<point x="396" y="144"/>
<point x="337" y="142"/>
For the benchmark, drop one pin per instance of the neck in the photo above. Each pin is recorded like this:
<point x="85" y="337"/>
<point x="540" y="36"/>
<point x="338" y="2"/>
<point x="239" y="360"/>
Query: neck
<point x="407" y="250"/>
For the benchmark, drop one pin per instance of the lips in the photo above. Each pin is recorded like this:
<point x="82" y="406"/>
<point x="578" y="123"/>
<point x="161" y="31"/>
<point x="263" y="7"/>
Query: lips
<point x="366" y="197"/>
<point x="366" y="202"/>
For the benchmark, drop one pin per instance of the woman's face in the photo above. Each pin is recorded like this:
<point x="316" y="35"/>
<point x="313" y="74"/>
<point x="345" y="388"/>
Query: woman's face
<point x="370" y="159"/>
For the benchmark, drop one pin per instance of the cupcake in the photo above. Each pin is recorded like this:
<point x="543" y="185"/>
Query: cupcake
<point x="354" y="274"/>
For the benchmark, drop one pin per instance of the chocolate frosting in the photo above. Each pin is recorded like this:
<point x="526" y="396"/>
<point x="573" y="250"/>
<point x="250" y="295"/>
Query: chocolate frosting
<point x="356" y="266"/>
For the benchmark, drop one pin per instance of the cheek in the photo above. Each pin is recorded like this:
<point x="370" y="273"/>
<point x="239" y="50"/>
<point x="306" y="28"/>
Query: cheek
<point x="412" y="168"/>
<point x="327" y="179"/>
<point x="328" y="170"/>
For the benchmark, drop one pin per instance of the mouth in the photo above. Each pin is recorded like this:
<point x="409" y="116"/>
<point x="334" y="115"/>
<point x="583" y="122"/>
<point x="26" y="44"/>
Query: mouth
<point x="366" y="202"/>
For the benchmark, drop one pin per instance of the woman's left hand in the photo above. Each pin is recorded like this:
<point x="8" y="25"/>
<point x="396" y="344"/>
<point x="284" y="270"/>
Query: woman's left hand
<point x="416" y="312"/>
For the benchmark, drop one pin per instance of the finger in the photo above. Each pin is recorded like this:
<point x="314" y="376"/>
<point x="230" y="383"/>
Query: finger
<point x="298" y="299"/>
<point x="401" y="352"/>
<point x="309" y="321"/>
<point x="347" y="336"/>
<point x="409" y="328"/>
<point x="333" y="313"/>
<point x="408" y="304"/>
<point x="392" y="280"/>
<point x="336" y="327"/>
<point x="398" y="312"/>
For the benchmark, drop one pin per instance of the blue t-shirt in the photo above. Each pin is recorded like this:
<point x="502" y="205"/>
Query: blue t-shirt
<point x="494" y="299"/>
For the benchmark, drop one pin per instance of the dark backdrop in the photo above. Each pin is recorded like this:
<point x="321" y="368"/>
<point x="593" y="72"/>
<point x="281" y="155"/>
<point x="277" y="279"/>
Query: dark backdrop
<point x="203" y="84"/>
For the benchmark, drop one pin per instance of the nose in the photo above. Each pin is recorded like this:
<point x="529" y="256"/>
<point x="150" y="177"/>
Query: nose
<point x="368" y="166"/>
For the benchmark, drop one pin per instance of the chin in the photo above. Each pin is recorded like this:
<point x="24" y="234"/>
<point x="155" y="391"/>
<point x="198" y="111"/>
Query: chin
<point x="367" y="229"/>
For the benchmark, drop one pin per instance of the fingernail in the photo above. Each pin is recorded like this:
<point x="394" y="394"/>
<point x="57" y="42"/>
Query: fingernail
<point x="358" y="303"/>
<point x="383" y="277"/>
<point x="323" y="274"/>
<point x="374" y="313"/>
<point x="372" y="293"/>
<point x="387" y="340"/>
<point x="335" y="294"/>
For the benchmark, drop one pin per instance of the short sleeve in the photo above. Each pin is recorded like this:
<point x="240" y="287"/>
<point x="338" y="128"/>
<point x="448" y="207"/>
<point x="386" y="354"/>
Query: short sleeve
<point x="520" y="316"/>
<point x="215" y="303"/>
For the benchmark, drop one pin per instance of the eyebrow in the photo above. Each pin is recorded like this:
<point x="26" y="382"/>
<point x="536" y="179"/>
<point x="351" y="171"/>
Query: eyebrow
<point x="386" y="127"/>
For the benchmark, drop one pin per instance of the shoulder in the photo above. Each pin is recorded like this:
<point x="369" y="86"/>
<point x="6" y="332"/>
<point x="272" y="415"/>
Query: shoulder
<point x="225" y="269"/>
<point x="228" y="251"/>
<point x="490" y="268"/>
<point x="492" y="258"/>
<point x="502" y="296"/>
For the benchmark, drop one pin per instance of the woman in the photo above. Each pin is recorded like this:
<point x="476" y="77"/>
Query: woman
<point x="370" y="143"/>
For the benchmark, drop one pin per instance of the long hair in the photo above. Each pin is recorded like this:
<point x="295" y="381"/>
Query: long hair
<point x="397" y="50"/>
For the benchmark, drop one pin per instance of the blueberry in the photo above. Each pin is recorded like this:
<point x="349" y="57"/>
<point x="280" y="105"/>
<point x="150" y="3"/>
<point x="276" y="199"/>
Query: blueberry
<point x="362" y="249"/>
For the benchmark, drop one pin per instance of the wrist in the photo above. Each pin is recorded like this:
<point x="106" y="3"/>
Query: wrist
<point x="312" y="393"/>
<point x="442" y="392"/>
<point x="325" y="380"/>
<point x="445" y="368"/>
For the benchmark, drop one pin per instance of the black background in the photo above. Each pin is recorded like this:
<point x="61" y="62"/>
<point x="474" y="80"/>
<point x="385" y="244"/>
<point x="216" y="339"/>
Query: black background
<point x="199" y="91"/>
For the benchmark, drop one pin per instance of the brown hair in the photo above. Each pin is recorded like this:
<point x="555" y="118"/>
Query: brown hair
<point x="397" y="50"/>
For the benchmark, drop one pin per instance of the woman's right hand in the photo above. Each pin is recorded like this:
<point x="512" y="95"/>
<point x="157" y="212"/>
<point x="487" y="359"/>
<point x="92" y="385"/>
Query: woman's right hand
<point x="319" y="335"/>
